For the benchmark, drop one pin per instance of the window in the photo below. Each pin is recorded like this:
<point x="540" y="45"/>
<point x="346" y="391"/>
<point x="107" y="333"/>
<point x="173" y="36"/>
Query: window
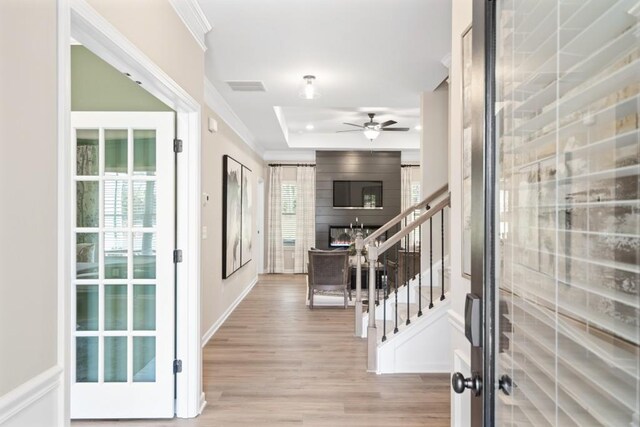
<point x="415" y="196"/>
<point x="289" y="194"/>
<point x="414" y="236"/>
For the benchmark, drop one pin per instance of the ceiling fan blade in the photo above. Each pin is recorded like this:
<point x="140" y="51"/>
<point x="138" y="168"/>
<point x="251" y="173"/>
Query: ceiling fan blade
<point x="354" y="130"/>
<point x="388" y="123"/>
<point x="351" y="124"/>
<point x="395" y="129"/>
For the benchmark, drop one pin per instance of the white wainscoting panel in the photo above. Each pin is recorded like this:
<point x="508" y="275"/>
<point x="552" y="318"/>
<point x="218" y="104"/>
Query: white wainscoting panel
<point x="35" y="403"/>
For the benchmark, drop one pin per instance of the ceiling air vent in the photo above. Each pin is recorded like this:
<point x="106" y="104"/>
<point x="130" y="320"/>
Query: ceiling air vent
<point x="246" y="86"/>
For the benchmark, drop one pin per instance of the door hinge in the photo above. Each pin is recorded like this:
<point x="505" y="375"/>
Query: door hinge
<point x="177" y="145"/>
<point x="177" y="256"/>
<point x="177" y="366"/>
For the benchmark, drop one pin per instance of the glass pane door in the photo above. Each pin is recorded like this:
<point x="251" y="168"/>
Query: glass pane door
<point x="568" y="97"/>
<point x="123" y="286"/>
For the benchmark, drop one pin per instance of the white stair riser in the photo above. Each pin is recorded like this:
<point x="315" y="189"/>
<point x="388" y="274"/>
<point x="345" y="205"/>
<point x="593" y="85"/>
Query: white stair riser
<point x="422" y="346"/>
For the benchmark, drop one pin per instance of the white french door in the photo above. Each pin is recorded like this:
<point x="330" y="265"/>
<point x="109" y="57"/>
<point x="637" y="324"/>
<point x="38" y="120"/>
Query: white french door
<point x="123" y="309"/>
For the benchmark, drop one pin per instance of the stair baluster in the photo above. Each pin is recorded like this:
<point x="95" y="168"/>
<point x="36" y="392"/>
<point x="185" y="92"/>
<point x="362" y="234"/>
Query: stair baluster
<point x="384" y="298"/>
<point x="431" y="262"/>
<point x="420" y="272"/>
<point x="408" y="261"/>
<point x="442" y="254"/>
<point x="395" y="282"/>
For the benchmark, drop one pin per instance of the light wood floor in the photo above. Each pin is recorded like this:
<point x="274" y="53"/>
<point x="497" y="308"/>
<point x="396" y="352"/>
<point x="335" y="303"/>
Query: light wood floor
<point x="274" y="362"/>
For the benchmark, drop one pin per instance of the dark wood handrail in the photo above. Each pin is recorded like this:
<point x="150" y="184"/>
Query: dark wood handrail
<point x="380" y="231"/>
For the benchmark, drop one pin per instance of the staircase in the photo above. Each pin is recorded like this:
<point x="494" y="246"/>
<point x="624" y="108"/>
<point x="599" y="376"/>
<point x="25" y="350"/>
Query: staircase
<point x="408" y="330"/>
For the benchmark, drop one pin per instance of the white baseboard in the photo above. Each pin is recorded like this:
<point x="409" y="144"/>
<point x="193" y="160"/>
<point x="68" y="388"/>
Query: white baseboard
<point x="26" y="395"/>
<point x="214" y="328"/>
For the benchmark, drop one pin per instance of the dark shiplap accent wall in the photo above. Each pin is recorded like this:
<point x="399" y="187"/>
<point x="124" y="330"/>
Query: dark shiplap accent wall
<point x="361" y="166"/>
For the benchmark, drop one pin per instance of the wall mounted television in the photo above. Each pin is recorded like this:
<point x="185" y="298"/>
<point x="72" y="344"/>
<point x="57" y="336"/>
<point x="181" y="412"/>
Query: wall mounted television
<point x="357" y="194"/>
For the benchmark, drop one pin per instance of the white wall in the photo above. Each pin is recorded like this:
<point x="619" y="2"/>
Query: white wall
<point x="28" y="217"/>
<point x="460" y="349"/>
<point x="219" y="295"/>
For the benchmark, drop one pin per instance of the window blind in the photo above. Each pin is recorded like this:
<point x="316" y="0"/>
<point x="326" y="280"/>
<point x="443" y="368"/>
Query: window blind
<point x="289" y="197"/>
<point x="568" y="96"/>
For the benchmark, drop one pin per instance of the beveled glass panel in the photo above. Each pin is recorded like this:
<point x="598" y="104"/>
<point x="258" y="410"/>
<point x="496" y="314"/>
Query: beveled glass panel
<point x="144" y="203"/>
<point x="144" y="359"/>
<point x="144" y="255"/>
<point x="87" y="248"/>
<point x="115" y="359"/>
<point x="116" y="245"/>
<point x="87" y="152"/>
<point x="144" y="152"/>
<point x="116" y="203"/>
<point x="87" y="307"/>
<point x="115" y="307"/>
<point x="87" y="203"/>
<point x="86" y="359"/>
<point x="144" y="307"/>
<point x="115" y="152"/>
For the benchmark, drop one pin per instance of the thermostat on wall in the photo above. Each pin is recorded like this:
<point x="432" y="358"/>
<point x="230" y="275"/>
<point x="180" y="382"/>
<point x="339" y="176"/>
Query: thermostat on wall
<point x="213" y="125"/>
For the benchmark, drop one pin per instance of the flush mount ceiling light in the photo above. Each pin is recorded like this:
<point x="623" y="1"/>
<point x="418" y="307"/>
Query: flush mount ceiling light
<point x="309" y="89"/>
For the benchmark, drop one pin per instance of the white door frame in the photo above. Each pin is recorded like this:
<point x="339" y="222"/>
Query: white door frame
<point x="79" y="20"/>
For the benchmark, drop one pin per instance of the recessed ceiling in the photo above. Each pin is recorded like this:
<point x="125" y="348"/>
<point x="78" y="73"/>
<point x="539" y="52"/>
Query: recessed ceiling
<point x="367" y="56"/>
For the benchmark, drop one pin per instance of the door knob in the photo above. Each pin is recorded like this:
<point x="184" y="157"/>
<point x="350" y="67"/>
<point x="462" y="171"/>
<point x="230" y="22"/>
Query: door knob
<point x="506" y="385"/>
<point x="459" y="383"/>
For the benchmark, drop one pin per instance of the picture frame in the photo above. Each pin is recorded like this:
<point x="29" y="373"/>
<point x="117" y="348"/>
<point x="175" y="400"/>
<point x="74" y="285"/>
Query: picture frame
<point x="466" y="50"/>
<point x="231" y="216"/>
<point x="246" y="247"/>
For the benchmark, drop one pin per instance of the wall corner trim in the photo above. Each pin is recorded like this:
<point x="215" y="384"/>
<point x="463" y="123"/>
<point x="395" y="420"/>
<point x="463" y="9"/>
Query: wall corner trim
<point x="203" y="402"/>
<point x="27" y="393"/>
<point x="221" y="107"/>
<point x="216" y="325"/>
<point x="194" y="19"/>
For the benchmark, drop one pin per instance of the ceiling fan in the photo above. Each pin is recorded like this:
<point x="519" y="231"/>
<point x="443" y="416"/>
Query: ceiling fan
<point x="372" y="129"/>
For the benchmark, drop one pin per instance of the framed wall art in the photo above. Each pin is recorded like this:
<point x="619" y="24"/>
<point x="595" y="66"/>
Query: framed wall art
<point x="247" y="232"/>
<point x="231" y="216"/>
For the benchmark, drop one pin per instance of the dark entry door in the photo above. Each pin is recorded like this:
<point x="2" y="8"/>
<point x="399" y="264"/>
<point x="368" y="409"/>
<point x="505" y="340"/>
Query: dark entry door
<point x="556" y="205"/>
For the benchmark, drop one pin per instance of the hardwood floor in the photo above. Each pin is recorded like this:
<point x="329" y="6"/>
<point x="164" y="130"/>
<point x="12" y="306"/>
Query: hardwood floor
<point x="274" y="362"/>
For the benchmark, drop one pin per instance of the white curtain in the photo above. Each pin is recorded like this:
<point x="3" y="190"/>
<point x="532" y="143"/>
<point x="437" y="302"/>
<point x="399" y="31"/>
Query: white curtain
<point x="405" y="188"/>
<point x="275" y="256"/>
<point x="305" y="216"/>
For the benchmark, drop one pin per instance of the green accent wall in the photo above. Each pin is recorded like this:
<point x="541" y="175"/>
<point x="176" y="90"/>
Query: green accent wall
<point x="97" y="86"/>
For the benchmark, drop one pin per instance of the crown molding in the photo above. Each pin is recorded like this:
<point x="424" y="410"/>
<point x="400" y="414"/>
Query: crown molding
<point x="290" y="156"/>
<point x="219" y="105"/>
<point x="194" y="18"/>
<point x="446" y="61"/>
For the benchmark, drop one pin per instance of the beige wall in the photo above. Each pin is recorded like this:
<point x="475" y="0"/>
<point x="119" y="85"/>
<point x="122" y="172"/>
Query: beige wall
<point x="155" y="28"/>
<point x="28" y="190"/>
<point x="218" y="294"/>
<point x="434" y="159"/>
<point x="461" y="21"/>
<point x="460" y="348"/>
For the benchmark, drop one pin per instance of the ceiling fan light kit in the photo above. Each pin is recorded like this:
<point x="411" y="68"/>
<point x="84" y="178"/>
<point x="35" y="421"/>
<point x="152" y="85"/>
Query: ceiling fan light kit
<point x="371" y="129"/>
<point x="309" y="89"/>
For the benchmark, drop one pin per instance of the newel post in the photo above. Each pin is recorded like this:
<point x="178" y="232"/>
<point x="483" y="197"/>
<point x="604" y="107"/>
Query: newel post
<point x="358" y="308"/>
<point x="372" y="333"/>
